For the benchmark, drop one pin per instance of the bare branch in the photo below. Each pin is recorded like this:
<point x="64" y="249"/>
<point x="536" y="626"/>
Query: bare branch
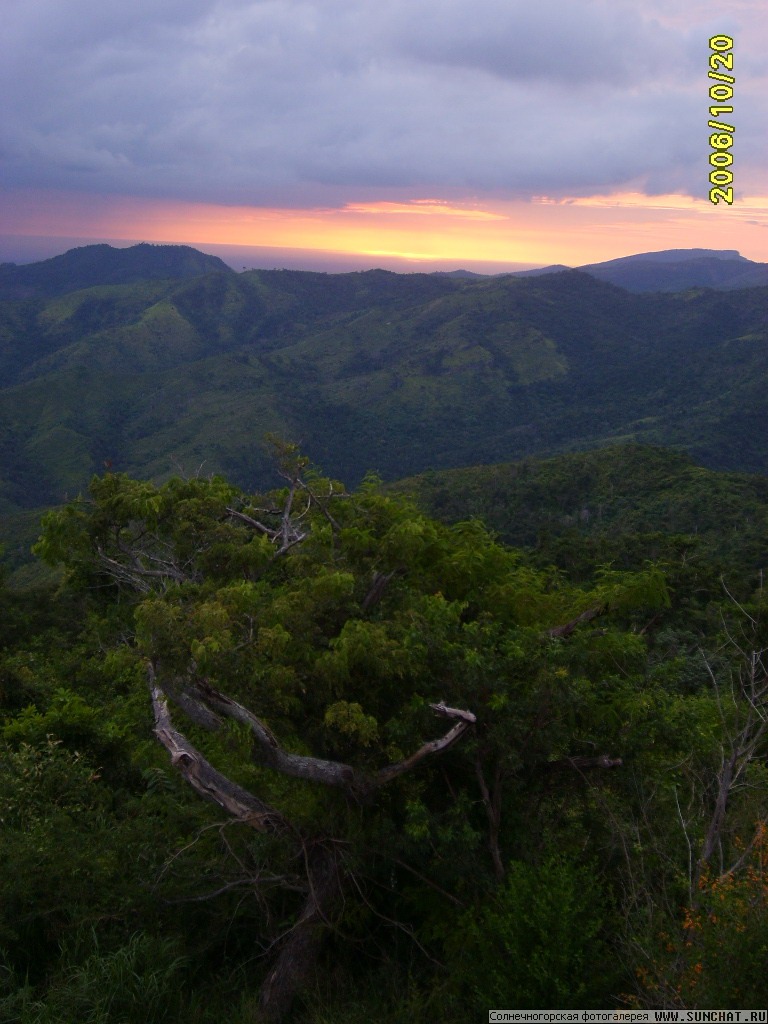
<point x="137" y="574"/>
<point x="446" y="712"/>
<point x="194" y="709"/>
<point x="492" y="806"/>
<point x="601" y="761"/>
<point x="252" y="522"/>
<point x="203" y="777"/>
<point x="288" y="882"/>
<point x="284" y="537"/>
<point x="749" y="696"/>
<point x="567" y="628"/>
<point x="321" y="504"/>
<point x="733" y="599"/>
<point x="380" y="583"/>
<point x="314" y="769"/>
<point x="433" y="746"/>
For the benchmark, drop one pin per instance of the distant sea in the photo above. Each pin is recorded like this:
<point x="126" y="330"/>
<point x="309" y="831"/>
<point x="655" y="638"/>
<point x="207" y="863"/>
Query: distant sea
<point x="31" y="248"/>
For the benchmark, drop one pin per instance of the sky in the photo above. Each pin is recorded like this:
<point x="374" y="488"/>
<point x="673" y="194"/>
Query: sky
<point x="410" y="134"/>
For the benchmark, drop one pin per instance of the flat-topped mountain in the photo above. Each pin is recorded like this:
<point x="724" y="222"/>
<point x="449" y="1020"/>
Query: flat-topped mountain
<point x="672" y="270"/>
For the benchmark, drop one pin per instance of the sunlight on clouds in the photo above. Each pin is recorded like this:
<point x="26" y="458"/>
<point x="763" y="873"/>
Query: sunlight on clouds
<point x="572" y="230"/>
<point x="428" y="207"/>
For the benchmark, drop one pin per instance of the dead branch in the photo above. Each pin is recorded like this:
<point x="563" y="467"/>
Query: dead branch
<point x="250" y="521"/>
<point x="137" y="574"/>
<point x="329" y="773"/>
<point x="320" y="503"/>
<point x="194" y="709"/>
<point x="446" y="712"/>
<point x="203" y="777"/>
<point x="270" y="753"/>
<point x="433" y="746"/>
<point x="492" y="805"/>
<point x="581" y="763"/>
<point x="749" y="697"/>
<point x="567" y="628"/>
<point x="601" y="761"/>
<point x="379" y="584"/>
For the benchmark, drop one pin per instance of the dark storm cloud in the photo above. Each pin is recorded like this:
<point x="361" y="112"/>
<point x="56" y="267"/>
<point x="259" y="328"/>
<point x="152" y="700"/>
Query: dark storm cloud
<point x="291" y="103"/>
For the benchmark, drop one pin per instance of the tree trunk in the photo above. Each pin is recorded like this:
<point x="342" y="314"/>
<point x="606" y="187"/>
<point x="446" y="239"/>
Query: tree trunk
<point x="301" y="947"/>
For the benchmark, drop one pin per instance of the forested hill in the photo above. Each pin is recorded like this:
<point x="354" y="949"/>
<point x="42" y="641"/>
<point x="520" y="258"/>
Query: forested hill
<point x="617" y="504"/>
<point x="92" y="265"/>
<point x="370" y="371"/>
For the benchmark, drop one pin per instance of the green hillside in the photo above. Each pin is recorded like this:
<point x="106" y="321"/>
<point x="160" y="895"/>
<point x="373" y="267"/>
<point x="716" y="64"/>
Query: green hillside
<point x="616" y="504"/>
<point x="369" y="371"/>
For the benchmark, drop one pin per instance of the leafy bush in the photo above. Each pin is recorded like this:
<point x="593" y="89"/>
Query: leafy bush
<point x="539" y="942"/>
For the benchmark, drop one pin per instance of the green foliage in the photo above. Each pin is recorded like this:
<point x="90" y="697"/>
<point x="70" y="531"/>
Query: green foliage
<point x="617" y="505"/>
<point x="539" y="943"/>
<point x="350" y="720"/>
<point x="716" y="955"/>
<point x="52" y="807"/>
<point x="550" y="843"/>
<point x="136" y="983"/>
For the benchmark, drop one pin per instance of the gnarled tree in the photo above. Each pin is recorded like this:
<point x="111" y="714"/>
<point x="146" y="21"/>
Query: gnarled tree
<point x="321" y="633"/>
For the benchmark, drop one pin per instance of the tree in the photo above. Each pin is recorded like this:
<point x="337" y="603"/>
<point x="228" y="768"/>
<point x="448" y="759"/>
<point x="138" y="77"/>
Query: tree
<point x="197" y="550"/>
<point x="297" y="647"/>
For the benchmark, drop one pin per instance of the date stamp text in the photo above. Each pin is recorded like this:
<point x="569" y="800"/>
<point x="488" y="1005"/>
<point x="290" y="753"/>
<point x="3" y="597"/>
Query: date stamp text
<point x="721" y="140"/>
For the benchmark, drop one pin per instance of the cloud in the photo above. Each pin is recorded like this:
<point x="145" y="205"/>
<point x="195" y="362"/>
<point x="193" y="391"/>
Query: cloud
<point x="577" y="45"/>
<point x="301" y="103"/>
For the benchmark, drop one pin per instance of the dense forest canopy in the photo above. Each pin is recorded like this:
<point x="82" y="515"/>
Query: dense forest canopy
<point x="397" y="769"/>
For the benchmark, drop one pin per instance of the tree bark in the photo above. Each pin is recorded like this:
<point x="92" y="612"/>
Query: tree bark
<point x="492" y="804"/>
<point x="299" y="951"/>
<point x="271" y="754"/>
<point x="300" y="947"/>
<point x="558" y="632"/>
<point x="209" y="783"/>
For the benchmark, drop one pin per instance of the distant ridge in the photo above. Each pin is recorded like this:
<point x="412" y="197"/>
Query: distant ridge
<point x="668" y="270"/>
<point x="672" y="270"/>
<point x="555" y="268"/>
<point x="460" y="273"/>
<point x="103" y="264"/>
<point x="673" y="256"/>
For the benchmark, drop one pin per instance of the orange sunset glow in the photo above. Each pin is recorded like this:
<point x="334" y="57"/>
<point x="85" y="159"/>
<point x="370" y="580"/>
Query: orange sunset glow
<point x="410" y="136"/>
<point x="422" y="231"/>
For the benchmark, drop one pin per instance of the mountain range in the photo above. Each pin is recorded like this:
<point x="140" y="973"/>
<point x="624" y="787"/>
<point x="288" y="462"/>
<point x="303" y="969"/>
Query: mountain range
<point x="671" y="270"/>
<point x="160" y="359"/>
